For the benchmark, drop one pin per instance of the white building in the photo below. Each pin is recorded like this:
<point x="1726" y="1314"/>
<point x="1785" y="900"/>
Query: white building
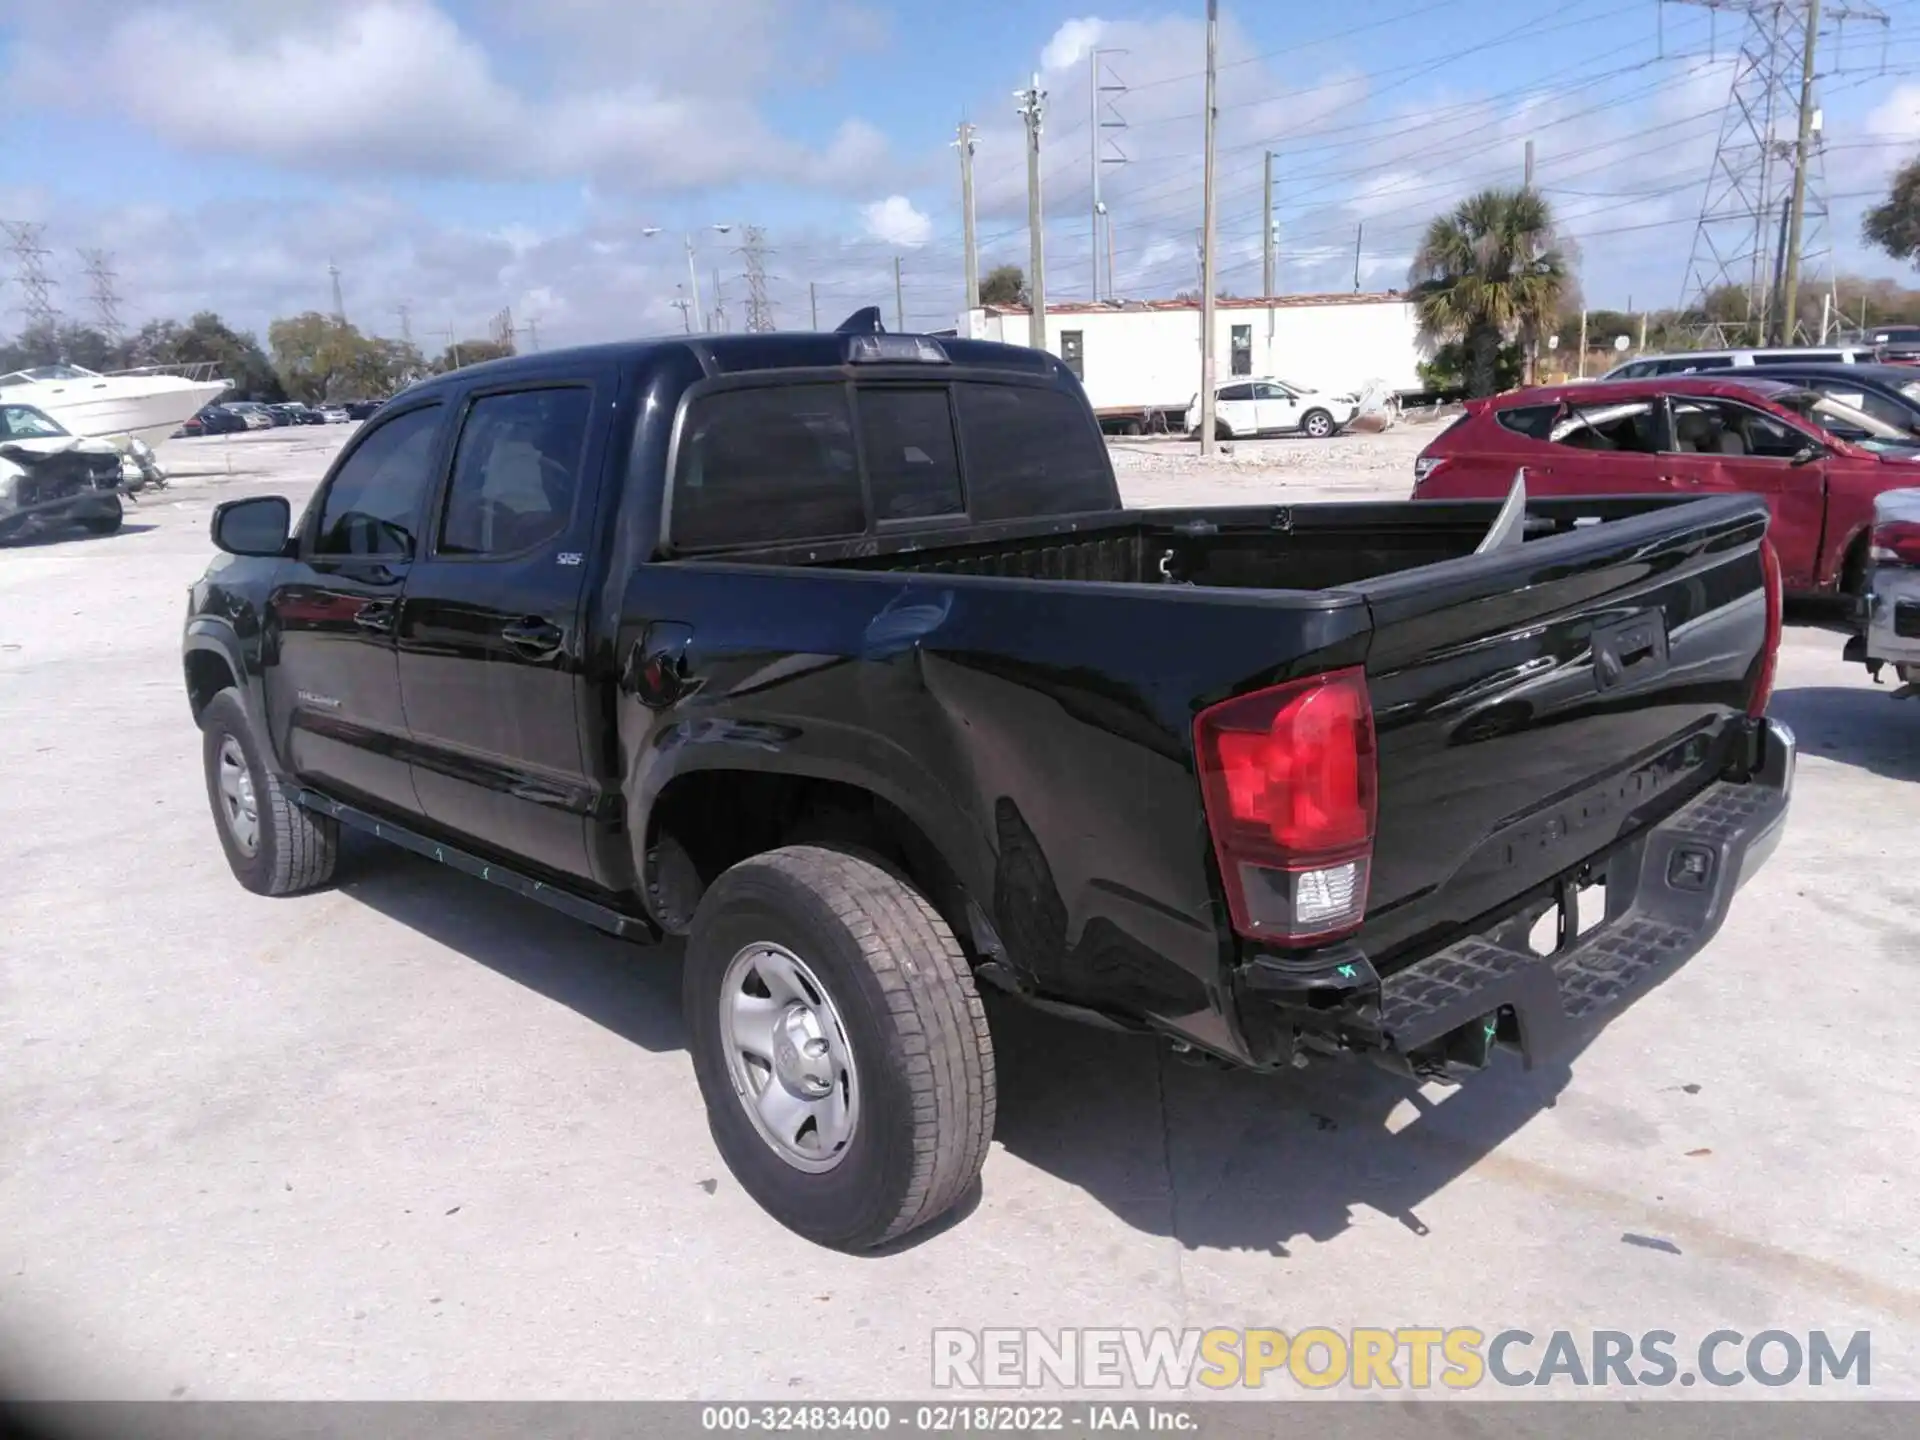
<point x="1140" y="356"/>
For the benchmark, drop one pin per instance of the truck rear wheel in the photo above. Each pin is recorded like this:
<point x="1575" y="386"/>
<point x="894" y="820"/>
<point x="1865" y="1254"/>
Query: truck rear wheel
<point x="840" y="1045"/>
<point x="273" y="846"/>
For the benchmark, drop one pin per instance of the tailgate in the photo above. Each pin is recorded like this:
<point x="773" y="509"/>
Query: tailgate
<point x="1537" y="704"/>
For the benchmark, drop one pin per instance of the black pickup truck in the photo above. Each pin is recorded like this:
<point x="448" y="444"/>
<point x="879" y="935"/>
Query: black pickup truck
<point x="839" y="655"/>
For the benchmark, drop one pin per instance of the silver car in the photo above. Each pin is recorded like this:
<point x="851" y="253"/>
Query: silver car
<point x="1890" y="599"/>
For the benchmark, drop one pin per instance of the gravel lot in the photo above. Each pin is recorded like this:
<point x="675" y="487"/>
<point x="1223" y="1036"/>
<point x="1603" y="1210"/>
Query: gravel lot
<point x="414" y="1138"/>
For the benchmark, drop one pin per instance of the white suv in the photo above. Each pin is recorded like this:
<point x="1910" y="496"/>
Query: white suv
<point x="1694" y="361"/>
<point x="1246" y="407"/>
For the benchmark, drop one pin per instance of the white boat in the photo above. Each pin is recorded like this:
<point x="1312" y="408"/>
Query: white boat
<point x="147" y="404"/>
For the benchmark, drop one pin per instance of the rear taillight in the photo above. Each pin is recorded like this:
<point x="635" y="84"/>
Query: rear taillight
<point x="1288" y="777"/>
<point x="1769" y="662"/>
<point x="1896" y="542"/>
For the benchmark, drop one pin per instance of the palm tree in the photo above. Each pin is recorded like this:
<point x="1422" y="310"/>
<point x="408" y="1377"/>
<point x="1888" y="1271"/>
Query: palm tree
<point x="1490" y="271"/>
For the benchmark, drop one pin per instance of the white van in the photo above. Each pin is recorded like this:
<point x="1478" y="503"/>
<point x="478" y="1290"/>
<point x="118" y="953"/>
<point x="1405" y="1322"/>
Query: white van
<point x="1691" y="361"/>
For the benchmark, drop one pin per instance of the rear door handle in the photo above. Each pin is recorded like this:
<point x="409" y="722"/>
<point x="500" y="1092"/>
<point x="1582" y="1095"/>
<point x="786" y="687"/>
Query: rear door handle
<point x="533" y="636"/>
<point x="375" y="616"/>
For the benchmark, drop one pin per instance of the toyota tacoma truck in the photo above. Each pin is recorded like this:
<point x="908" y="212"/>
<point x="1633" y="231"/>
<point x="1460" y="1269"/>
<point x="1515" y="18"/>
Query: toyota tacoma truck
<point x="839" y="656"/>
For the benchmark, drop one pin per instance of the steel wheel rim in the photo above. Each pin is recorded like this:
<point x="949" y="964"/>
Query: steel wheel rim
<point x="238" y="805"/>
<point x="788" y="1057"/>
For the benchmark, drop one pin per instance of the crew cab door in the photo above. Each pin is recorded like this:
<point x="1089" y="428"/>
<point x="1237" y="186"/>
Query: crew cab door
<point x="490" y="637"/>
<point x="1723" y="446"/>
<point x="1235" y="407"/>
<point x="1276" y="406"/>
<point x="331" y="685"/>
<point x="1607" y="448"/>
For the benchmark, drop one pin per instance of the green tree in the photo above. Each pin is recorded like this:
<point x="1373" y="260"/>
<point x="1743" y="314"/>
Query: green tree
<point x="1004" y="285"/>
<point x="206" y="339"/>
<point x="322" y="359"/>
<point x="470" y="352"/>
<point x="1487" y="273"/>
<point x="1894" y="224"/>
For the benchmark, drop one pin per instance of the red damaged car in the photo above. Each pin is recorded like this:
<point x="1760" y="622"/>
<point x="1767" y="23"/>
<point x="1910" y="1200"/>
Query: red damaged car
<point x="1690" y="436"/>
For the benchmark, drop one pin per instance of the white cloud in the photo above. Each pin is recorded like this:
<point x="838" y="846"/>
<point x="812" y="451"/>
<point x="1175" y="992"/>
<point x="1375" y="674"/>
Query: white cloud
<point x="1071" y="43"/>
<point x="895" y="222"/>
<point x="398" y="87"/>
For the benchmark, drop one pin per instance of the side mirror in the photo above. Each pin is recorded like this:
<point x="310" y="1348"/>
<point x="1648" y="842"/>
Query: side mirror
<point x="1807" y="454"/>
<point x="259" y="525"/>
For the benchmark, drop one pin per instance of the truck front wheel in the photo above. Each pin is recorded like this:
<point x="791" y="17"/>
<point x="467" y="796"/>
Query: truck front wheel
<point x="273" y="846"/>
<point x="840" y="1045"/>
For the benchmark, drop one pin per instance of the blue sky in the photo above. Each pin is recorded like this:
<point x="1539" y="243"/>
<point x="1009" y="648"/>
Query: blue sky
<point x="461" y="155"/>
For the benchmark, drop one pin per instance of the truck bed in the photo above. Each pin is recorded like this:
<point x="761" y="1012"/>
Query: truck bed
<point x="1491" y="717"/>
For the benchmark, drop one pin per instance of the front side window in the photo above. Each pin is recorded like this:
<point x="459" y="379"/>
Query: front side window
<point x="912" y="467"/>
<point x="1721" y="427"/>
<point x="515" y="471"/>
<point x="767" y="465"/>
<point x="373" y="505"/>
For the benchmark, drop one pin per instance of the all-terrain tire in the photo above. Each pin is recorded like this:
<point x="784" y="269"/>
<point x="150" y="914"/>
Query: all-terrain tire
<point x="913" y="1021"/>
<point x="295" y="849"/>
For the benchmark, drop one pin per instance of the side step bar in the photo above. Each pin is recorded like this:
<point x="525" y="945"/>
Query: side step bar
<point x="600" y="917"/>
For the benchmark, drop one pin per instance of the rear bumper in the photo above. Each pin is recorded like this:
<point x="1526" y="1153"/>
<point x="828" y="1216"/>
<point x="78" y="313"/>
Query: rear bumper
<point x="1669" y="889"/>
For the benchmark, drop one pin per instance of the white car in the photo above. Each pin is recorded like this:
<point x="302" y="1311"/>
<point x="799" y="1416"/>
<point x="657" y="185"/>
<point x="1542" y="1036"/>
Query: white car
<point x="1692" y="362"/>
<point x="1243" y="408"/>
<point x="335" y="414"/>
<point x="1889" y="615"/>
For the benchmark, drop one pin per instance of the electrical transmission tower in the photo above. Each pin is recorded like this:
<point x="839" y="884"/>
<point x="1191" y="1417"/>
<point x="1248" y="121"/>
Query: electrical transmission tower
<point x="104" y="297"/>
<point x="30" y="272"/>
<point x="753" y="253"/>
<point x="339" y="304"/>
<point x="1763" y="215"/>
<point x="405" y="311"/>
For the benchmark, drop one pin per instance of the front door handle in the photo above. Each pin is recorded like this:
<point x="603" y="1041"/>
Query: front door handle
<point x="376" y="616"/>
<point x="533" y="636"/>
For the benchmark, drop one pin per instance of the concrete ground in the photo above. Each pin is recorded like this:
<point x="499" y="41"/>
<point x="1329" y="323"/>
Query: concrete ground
<point x="412" y="1137"/>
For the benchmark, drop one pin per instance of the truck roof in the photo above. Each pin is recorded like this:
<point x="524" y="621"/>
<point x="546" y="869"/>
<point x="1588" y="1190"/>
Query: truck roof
<point x="739" y="354"/>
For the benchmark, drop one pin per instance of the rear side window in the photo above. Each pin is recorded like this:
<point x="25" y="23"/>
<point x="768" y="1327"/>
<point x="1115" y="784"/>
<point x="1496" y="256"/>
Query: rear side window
<point x="766" y="466"/>
<point x="515" y="472"/>
<point x="1031" y="451"/>
<point x="1533" y="421"/>
<point x="911" y="462"/>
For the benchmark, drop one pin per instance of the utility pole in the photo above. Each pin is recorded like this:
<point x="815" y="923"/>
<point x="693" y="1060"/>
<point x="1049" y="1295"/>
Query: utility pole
<point x="813" y="304"/>
<point x="1359" y="234"/>
<point x="719" y="304"/>
<point x="1790" y="286"/>
<point x="1528" y="183"/>
<point x="1266" y="235"/>
<point x="899" y="300"/>
<point x="685" y="307"/>
<point x="972" y="257"/>
<point x="1032" y="109"/>
<point x="1208" y="233"/>
<point x="1098" y="127"/>
<point x="1583" y="344"/>
<point x="453" y="345"/>
<point x="1532" y="335"/>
